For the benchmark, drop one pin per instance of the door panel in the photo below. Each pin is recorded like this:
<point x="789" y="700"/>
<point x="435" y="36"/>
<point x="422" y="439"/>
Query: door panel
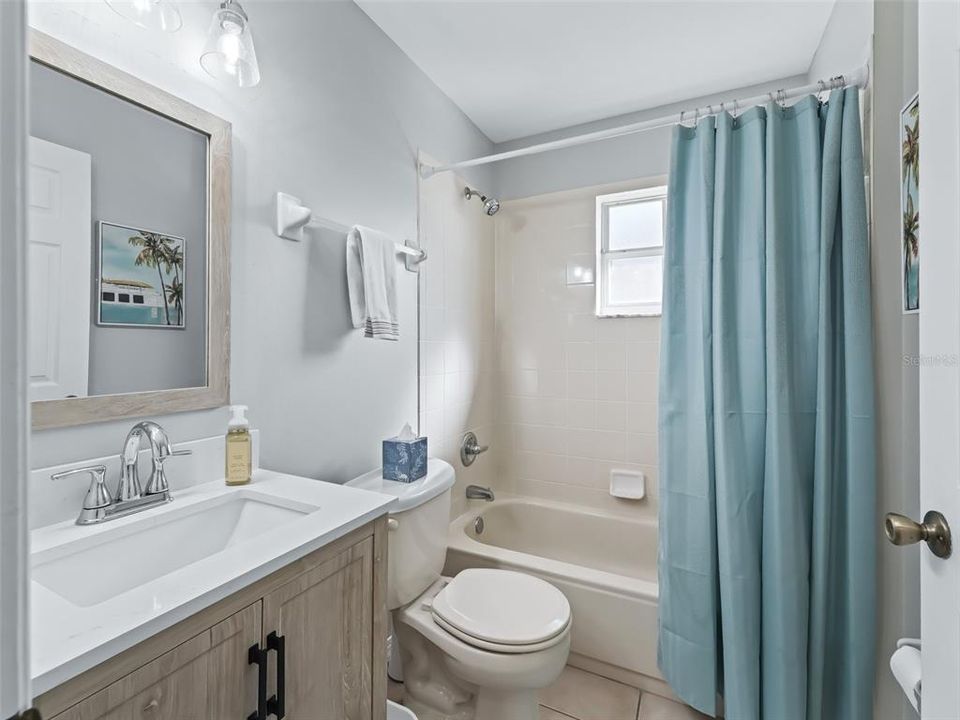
<point x="326" y="618"/>
<point x="939" y="72"/>
<point x="60" y="279"/>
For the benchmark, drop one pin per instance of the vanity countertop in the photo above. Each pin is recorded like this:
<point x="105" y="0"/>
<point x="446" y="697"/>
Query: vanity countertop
<point x="77" y="624"/>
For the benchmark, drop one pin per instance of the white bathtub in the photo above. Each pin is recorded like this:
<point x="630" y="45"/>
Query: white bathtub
<point x="605" y="564"/>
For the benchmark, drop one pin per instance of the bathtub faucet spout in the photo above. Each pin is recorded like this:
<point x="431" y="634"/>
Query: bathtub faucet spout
<point x="475" y="492"/>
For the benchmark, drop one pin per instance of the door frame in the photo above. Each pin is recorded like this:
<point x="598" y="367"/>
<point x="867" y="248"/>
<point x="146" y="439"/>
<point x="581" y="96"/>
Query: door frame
<point x="14" y="407"/>
<point x="939" y="81"/>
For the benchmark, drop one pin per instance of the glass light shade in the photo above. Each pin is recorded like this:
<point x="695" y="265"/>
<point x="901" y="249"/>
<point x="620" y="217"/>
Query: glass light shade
<point x="228" y="54"/>
<point x="150" y="14"/>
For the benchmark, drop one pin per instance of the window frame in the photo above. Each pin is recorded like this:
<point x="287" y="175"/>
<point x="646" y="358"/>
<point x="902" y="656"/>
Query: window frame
<point x="603" y="254"/>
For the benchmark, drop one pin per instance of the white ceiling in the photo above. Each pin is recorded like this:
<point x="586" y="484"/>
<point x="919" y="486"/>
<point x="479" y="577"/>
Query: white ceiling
<point x="521" y="68"/>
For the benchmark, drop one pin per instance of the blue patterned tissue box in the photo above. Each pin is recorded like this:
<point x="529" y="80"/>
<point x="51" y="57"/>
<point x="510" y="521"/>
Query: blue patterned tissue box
<point x="404" y="460"/>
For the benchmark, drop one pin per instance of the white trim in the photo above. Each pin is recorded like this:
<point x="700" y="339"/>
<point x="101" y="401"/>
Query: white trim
<point x="603" y="308"/>
<point x="14" y="407"/>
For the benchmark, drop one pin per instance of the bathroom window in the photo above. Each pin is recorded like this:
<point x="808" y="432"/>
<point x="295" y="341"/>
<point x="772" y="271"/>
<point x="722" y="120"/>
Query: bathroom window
<point x="630" y="227"/>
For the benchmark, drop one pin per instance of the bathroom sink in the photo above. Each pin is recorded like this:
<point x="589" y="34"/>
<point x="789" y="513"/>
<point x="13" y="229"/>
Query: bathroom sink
<point x="92" y="570"/>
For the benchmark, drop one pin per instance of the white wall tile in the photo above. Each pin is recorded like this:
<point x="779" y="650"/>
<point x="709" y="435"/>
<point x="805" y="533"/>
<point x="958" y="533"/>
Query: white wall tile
<point x="581" y="393"/>
<point x="460" y="377"/>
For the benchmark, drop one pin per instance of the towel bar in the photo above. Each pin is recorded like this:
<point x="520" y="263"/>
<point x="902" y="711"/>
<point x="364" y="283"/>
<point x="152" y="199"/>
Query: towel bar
<point x="292" y="217"/>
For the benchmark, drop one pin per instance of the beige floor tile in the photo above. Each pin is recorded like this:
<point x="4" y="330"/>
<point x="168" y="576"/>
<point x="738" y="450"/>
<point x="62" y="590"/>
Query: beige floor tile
<point x="548" y="714"/>
<point x="586" y="696"/>
<point x="654" y="707"/>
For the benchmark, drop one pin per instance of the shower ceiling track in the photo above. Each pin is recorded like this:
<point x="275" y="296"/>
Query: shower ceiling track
<point x="857" y="78"/>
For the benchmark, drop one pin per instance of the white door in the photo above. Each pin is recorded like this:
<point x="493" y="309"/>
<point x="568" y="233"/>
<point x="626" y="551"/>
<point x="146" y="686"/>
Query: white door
<point x="14" y="411"/>
<point x="59" y="230"/>
<point x="939" y="42"/>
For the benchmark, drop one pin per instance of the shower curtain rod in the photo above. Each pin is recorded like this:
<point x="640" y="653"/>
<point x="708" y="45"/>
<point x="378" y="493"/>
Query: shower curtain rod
<point x="857" y="78"/>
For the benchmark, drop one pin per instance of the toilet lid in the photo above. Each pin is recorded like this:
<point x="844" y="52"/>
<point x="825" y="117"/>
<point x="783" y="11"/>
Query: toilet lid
<point x="502" y="607"/>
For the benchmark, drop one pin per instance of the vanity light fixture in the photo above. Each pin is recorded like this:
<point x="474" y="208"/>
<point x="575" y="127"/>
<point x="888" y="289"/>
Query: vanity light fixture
<point x="150" y="14"/>
<point x="229" y="54"/>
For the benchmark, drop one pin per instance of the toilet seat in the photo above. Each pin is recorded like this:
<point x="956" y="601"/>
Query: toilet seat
<point x="502" y="610"/>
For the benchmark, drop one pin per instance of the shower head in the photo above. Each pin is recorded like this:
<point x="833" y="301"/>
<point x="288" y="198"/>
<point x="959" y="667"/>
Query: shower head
<point x="490" y="205"/>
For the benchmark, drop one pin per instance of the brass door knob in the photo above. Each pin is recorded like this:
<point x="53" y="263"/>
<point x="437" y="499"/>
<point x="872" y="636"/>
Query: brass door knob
<point x="934" y="531"/>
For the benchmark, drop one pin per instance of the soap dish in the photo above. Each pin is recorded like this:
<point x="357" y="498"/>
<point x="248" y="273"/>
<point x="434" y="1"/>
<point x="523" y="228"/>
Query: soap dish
<point x="628" y="484"/>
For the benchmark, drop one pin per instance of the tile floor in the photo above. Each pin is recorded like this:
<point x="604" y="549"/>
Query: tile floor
<point x="580" y="695"/>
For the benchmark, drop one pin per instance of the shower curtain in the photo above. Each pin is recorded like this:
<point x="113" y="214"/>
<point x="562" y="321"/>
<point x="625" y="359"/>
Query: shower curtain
<point x="767" y="505"/>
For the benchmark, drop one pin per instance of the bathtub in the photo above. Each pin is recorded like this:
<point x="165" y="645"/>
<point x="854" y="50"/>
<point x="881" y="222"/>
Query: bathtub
<point x="605" y="564"/>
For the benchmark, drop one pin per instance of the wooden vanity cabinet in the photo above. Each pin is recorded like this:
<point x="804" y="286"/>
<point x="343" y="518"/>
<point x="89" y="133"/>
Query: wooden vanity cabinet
<point x="319" y="625"/>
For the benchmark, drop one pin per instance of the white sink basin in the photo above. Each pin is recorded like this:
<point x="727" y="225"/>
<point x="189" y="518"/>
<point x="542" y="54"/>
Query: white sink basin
<point x="98" y="568"/>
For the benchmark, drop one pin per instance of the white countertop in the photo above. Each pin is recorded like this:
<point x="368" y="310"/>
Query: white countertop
<point x="67" y="639"/>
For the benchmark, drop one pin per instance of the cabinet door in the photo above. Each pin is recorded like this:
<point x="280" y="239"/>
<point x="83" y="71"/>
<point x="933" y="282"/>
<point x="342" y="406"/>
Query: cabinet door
<point x="206" y="678"/>
<point x="326" y="619"/>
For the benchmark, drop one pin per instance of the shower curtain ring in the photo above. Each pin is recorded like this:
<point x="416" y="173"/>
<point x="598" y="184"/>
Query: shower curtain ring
<point x="736" y="109"/>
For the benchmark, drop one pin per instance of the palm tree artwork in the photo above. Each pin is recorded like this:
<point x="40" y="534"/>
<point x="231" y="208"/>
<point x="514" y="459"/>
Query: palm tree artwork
<point x="174" y="296"/>
<point x="910" y="204"/>
<point x="153" y="254"/>
<point x="141" y="277"/>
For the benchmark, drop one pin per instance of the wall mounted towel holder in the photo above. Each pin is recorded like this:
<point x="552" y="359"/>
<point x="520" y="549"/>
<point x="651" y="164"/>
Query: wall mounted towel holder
<point x="293" y="217"/>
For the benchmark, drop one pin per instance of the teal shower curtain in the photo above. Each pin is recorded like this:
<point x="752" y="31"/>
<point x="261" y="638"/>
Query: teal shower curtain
<point x="767" y="499"/>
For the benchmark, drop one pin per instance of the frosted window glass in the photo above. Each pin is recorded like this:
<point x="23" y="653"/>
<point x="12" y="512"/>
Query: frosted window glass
<point x="635" y="280"/>
<point x="635" y="225"/>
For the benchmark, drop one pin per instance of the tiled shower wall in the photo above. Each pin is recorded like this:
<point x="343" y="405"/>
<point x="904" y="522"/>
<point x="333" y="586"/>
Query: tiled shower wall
<point x="457" y="369"/>
<point x="577" y="394"/>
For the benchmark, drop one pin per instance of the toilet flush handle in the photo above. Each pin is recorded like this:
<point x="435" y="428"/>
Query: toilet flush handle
<point x="392" y="524"/>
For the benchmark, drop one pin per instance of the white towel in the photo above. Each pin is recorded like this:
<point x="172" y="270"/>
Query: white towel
<point x="372" y="283"/>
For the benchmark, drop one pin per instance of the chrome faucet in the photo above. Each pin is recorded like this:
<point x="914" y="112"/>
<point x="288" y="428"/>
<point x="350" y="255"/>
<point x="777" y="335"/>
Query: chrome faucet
<point x="98" y="506"/>
<point x="160" y="450"/>
<point x="475" y="492"/>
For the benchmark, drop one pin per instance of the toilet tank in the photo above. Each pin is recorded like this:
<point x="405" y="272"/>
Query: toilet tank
<point x="417" y="528"/>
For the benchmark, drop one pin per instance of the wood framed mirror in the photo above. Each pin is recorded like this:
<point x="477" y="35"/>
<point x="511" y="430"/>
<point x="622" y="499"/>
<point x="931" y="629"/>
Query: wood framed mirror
<point x="129" y="231"/>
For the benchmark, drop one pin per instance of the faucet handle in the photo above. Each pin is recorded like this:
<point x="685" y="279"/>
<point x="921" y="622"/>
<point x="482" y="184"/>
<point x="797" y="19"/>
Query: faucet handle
<point x="97" y="496"/>
<point x="169" y="453"/>
<point x="157" y="483"/>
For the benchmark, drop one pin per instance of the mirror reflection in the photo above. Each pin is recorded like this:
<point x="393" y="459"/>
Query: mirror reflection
<point x="118" y="244"/>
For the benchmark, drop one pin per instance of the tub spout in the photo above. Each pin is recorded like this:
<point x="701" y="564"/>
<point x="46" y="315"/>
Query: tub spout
<point x="475" y="492"/>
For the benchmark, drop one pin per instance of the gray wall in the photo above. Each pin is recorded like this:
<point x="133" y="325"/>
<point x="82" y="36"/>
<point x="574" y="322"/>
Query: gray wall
<point x="337" y="120"/>
<point x="147" y="172"/>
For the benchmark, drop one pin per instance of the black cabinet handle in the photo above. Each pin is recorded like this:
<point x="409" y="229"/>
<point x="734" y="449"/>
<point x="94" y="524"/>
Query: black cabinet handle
<point x="275" y="705"/>
<point x="258" y="656"/>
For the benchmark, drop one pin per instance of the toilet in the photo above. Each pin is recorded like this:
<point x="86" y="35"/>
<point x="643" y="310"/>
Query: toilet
<point x="476" y="646"/>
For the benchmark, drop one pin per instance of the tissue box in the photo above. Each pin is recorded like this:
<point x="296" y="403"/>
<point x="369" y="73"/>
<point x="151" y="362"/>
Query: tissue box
<point x="404" y="460"/>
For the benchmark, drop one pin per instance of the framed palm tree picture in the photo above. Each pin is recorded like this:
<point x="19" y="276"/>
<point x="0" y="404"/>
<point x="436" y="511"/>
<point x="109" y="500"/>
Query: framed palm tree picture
<point x="910" y="203"/>
<point x="140" y="282"/>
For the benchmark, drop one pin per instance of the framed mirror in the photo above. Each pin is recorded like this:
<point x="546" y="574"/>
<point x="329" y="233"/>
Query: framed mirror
<point x="129" y="240"/>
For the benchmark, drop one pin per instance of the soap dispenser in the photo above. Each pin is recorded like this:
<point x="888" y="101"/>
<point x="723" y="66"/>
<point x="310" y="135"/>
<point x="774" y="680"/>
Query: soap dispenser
<point x="238" y="451"/>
